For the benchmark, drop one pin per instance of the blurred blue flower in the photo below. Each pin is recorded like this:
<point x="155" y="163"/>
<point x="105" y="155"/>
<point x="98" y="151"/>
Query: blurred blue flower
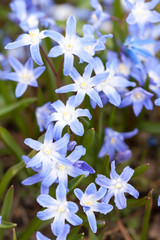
<point x="158" y="200"/>
<point x="67" y="115"/>
<point x="24" y="75"/>
<point x="140" y="13"/>
<point x="138" y="98"/>
<point x="114" y="142"/>
<point x="89" y="202"/>
<point x="117" y="186"/>
<point x="60" y="209"/>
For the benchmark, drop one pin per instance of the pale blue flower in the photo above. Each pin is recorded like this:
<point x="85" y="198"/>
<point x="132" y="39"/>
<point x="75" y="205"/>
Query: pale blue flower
<point x="117" y="186"/>
<point x="67" y="115"/>
<point x="138" y="98"/>
<point x="84" y="85"/>
<point x="60" y="209"/>
<point x="69" y="45"/>
<point x="34" y="39"/>
<point x="140" y="13"/>
<point x="0" y="219"/>
<point x="25" y="75"/>
<point x="89" y="201"/>
<point x="48" y="151"/>
<point x="112" y="82"/>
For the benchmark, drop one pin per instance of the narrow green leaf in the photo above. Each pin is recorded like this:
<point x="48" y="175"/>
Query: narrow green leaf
<point x="31" y="229"/>
<point x="73" y="233"/>
<point x="7" y="204"/>
<point x="106" y="166"/>
<point x="14" y="234"/>
<point x="151" y="127"/>
<point x="75" y="182"/>
<point x="136" y="202"/>
<point x="140" y="170"/>
<point x="10" y="143"/>
<point x="11" y="172"/>
<point x="88" y="138"/>
<point x="147" y="214"/>
<point x="15" y="106"/>
<point x="7" y="225"/>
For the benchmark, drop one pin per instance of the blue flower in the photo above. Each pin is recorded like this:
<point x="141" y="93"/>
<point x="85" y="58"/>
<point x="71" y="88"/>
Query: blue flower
<point x="67" y="115"/>
<point x="135" y="48"/>
<point x="117" y="186"/>
<point x="61" y="236"/>
<point x="84" y="85"/>
<point x="158" y="200"/>
<point x="60" y="209"/>
<point x="98" y="16"/>
<point x="69" y="45"/>
<point x="48" y="151"/>
<point x="88" y="31"/>
<point x="112" y="82"/>
<point x="114" y="142"/>
<point x="141" y="13"/>
<point x="139" y="98"/>
<point x="34" y="39"/>
<point x="42" y="113"/>
<point x="157" y="102"/>
<point x="89" y="202"/>
<point x="24" y="75"/>
<point x="0" y="219"/>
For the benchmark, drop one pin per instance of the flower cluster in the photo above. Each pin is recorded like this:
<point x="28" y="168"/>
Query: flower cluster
<point x="122" y="82"/>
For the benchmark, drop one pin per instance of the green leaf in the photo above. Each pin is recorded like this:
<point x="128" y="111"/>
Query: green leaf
<point x="75" y="182"/>
<point x="73" y="233"/>
<point x="106" y="166"/>
<point x="11" y="172"/>
<point x="7" y="225"/>
<point x="147" y="214"/>
<point x="140" y="170"/>
<point x="14" y="234"/>
<point x="7" y="204"/>
<point x="11" y="144"/>
<point x="134" y="203"/>
<point x="15" y="106"/>
<point x="88" y="138"/>
<point x="151" y="127"/>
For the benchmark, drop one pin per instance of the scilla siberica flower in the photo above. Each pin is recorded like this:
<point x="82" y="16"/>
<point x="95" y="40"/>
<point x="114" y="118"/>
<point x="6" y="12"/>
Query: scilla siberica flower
<point x="67" y="115"/>
<point x="84" y="85"/>
<point x="48" y="151"/>
<point x="24" y="75"/>
<point x="138" y="98"/>
<point x="69" y="45"/>
<point x="112" y="82"/>
<point x="60" y="209"/>
<point x="89" y="202"/>
<point x="114" y="142"/>
<point x="117" y="186"/>
<point x="140" y="13"/>
<point x="34" y="39"/>
<point x="61" y="236"/>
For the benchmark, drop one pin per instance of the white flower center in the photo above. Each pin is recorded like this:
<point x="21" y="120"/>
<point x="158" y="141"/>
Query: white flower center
<point x="62" y="208"/>
<point x="26" y="76"/>
<point x="154" y="76"/>
<point x="137" y="96"/>
<point x="123" y="69"/>
<point x="34" y="36"/>
<point x="83" y="85"/>
<point x="61" y="167"/>
<point x="66" y="116"/>
<point x="46" y="149"/>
